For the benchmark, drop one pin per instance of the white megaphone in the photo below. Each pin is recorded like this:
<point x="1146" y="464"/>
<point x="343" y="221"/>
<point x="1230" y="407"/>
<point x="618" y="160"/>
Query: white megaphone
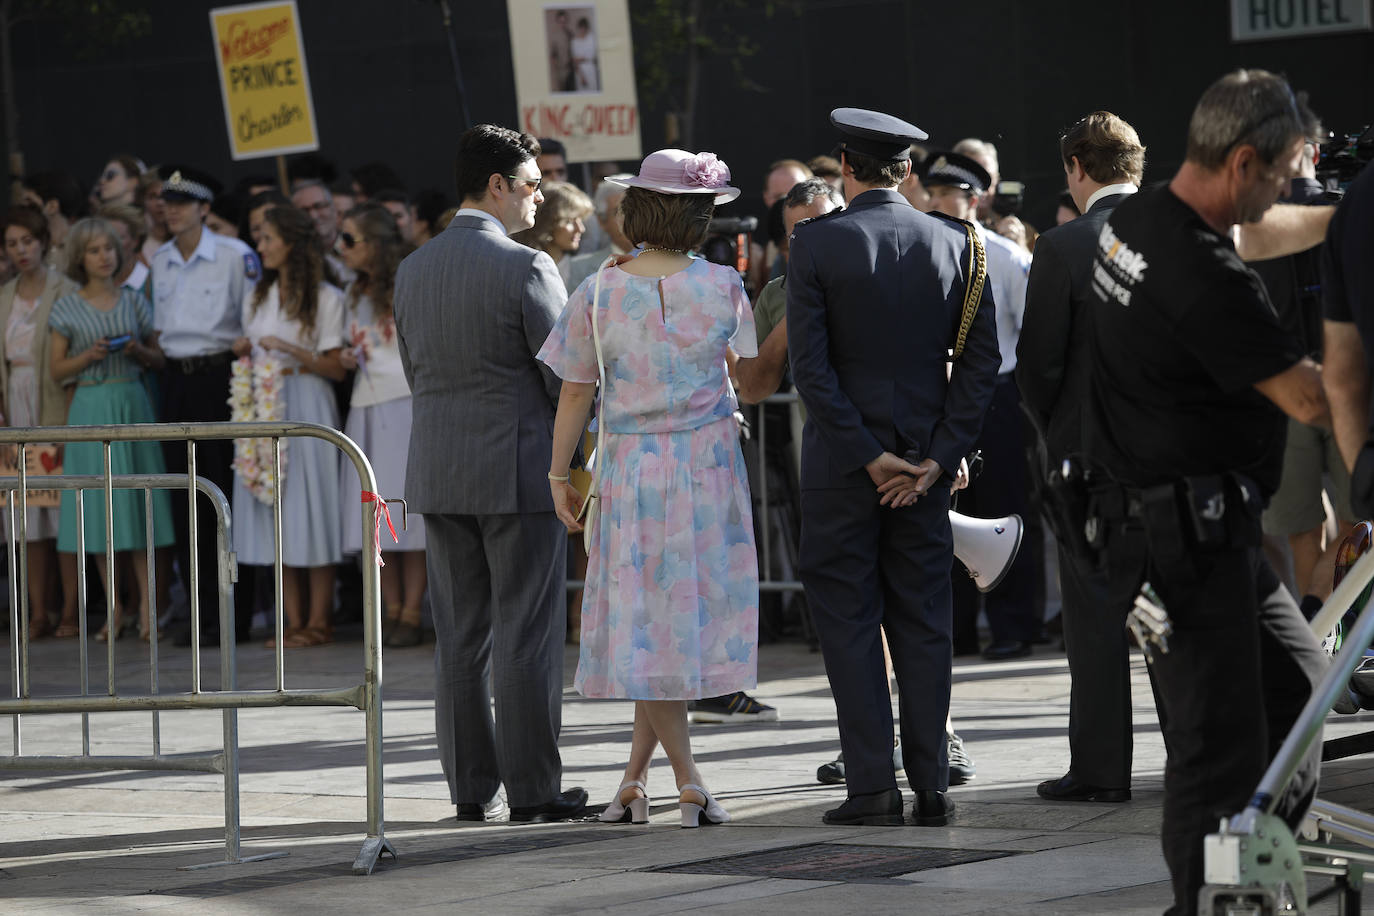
<point x="986" y="546"/>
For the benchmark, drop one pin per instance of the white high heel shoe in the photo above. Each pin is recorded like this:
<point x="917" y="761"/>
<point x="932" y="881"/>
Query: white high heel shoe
<point x="694" y="815"/>
<point x="636" y="812"/>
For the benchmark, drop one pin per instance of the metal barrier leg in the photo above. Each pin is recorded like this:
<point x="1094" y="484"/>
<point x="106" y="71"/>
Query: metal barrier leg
<point x="15" y="620"/>
<point x="83" y="626"/>
<point x="376" y="845"/>
<point x="225" y="575"/>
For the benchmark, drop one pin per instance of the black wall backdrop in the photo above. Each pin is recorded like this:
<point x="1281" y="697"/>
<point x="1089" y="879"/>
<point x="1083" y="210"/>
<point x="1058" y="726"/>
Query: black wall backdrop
<point x="1012" y="71"/>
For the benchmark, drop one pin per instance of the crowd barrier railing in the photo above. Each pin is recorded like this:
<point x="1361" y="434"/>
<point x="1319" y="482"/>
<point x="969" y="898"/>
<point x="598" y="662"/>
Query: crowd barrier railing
<point x="366" y="696"/>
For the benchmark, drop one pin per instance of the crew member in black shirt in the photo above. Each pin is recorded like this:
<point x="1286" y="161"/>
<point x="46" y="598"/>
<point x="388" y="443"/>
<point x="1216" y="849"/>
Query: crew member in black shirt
<point x="1191" y="377"/>
<point x="1348" y="306"/>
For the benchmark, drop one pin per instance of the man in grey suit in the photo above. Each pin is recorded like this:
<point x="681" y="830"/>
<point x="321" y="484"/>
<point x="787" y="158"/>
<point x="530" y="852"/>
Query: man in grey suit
<point x="472" y="310"/>
<point x="1103" y="162"/>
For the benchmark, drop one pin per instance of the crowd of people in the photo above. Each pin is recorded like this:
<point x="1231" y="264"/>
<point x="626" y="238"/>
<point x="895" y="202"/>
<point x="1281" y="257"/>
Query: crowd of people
<point x="164" y="296"/>
<point x="1123" y="375"/>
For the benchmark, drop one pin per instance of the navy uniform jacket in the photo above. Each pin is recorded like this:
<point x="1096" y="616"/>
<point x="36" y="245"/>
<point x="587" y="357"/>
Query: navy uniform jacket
<point x="874" y="297"/>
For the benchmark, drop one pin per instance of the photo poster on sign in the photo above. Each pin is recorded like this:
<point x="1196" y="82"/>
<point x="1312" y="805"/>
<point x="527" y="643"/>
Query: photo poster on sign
<point x="262" y="76"/>
<point x="575" y="76"/>
<point x="39" y="461"/>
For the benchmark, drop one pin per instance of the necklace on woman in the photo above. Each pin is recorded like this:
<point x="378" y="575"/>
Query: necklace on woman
<point x="668" y="250"/>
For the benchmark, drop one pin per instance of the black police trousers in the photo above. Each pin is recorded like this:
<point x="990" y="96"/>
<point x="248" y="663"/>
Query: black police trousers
<point x="867" y="567"/>
<point x="1241" y="664"/>
<point x="200" y="397"/>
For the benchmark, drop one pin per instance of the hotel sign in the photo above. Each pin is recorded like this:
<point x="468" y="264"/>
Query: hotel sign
<point x="1259" y="20"/>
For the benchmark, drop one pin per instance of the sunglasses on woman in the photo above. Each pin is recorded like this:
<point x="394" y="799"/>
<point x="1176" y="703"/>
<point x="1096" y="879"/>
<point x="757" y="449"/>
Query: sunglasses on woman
<point x="349" y="239"/>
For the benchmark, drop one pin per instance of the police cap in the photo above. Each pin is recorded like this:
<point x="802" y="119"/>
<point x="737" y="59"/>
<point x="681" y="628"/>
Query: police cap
<point x="189" y="184"/>
<point x="875" y="134"/>
<point x="955" y="171"/>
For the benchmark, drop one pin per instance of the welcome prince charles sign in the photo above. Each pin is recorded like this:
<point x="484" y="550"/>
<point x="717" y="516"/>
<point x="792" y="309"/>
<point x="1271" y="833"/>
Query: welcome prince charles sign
<point x="263" y="79"/>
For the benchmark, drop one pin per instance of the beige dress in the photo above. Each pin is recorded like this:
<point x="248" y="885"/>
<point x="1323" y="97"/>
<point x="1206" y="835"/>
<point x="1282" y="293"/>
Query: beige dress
<point x="21" y="408"/>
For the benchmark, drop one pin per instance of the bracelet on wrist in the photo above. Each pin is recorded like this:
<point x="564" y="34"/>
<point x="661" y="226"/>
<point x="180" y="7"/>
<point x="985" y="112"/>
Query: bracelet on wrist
<point x="557" y="478"/>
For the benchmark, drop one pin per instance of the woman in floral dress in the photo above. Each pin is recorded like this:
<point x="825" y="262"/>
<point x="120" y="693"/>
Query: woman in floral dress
<point x="671" y="606"/>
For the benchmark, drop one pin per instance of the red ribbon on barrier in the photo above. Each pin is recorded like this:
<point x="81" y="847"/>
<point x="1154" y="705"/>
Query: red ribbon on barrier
<point x="377" y="523"/>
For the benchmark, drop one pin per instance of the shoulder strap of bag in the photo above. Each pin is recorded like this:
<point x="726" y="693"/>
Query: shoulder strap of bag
<point x="973" y="288"/>
<point x="593" y="488"/>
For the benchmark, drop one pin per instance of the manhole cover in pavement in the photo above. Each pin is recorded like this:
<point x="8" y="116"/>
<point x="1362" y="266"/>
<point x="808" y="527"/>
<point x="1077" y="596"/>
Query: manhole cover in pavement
<point x="834" y="862"/>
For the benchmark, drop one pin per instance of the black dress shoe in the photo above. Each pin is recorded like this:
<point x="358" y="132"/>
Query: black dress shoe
<point x="1068" y="788"/>
<point x="559" y="808"/>
<point x="878" y="809"/>
<point x="932" y="808"/>
<point x="1003" y="649"/>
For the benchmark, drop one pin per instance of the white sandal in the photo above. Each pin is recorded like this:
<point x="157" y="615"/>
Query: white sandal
<point x="694" y="815"/>
<point x="636" y="812"/>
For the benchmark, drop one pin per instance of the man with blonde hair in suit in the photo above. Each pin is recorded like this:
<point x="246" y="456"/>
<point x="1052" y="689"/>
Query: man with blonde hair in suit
<point x="472" y="309"/>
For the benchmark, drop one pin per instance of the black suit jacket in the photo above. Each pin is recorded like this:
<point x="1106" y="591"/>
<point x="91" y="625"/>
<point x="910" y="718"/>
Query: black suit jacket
<point x="874" y="297"/>
<point x="1051" y="356"/>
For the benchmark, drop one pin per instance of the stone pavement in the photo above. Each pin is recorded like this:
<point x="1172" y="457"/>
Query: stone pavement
<point x="118" y="841"/>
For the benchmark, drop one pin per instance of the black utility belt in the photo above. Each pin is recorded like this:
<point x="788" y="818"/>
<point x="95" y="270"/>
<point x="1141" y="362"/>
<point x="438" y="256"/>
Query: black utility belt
<point x="1199" y="513"/>
<point x="191" y="365"/>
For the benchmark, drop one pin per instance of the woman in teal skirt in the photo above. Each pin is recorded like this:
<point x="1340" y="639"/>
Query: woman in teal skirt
<point x="103" y="337"/>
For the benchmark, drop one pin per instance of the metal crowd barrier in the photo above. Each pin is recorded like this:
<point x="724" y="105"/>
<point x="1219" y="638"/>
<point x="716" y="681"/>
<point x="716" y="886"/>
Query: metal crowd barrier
<point x="366" y="696"/>
<point x="766" y="581"/>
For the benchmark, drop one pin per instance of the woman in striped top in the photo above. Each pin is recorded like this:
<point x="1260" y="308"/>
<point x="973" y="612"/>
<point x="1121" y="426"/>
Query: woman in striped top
<point x="102" y="335"/>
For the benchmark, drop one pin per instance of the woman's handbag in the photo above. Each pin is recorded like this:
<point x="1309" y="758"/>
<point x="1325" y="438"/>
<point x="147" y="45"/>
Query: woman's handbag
<point x="591" y="506"/>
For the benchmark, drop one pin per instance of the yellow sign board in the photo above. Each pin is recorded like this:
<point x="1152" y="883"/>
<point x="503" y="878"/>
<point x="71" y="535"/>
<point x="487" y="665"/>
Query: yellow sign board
<point x="263" y="79"/>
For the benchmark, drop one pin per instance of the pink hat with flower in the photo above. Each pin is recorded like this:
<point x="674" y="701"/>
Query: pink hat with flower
<point x="675" y="171"/>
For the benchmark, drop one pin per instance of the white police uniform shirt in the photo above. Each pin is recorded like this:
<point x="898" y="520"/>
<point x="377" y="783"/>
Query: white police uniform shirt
<point x="1008" y="270"/>
<point x="196" y="300"/>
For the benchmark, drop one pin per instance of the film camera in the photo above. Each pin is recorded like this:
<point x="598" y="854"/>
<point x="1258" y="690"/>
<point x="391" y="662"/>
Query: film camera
<point x="1344" y="156"/>
<point x="1009" y="198"/>
<point x="727" y="241"/>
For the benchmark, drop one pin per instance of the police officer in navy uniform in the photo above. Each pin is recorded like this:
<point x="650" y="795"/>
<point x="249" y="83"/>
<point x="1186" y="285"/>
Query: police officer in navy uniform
<point x="956" y="185"/>
<point x="875" y="297"/>
<point x="199" y="282"/>
<point x="1191" y="376"/>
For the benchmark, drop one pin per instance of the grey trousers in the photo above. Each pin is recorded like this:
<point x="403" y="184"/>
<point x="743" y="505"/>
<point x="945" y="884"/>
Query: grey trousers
<point x="500" y="611"/>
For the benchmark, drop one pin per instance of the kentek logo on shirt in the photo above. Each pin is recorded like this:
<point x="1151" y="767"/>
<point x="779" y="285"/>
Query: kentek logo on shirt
<point x="1117" y="268"/>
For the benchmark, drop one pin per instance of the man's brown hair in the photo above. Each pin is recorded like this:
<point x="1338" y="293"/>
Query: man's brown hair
<point x="674" y="221"/>
<point x="1106" y="146"/>
<point x="883" y="173"/>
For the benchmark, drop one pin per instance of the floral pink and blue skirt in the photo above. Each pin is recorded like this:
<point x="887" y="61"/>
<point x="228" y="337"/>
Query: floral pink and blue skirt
<point x="671" y="606"/>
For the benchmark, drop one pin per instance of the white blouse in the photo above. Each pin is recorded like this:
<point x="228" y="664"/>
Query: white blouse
<point x="267" y="320"/>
